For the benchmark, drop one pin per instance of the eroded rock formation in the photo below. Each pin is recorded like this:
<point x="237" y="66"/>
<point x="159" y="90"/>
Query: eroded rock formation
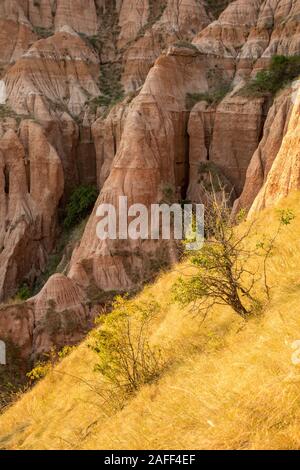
<point x="123" y="94"/>
<point x="284" y="175"/>
<point x="31" y="187"/>
<point x="261" y="163"/>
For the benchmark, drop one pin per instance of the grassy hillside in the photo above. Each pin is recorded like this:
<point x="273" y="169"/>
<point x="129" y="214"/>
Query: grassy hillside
<point x="231" y="384"/>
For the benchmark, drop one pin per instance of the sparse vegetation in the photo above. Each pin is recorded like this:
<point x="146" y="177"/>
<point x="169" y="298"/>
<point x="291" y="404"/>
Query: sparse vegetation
<point x="57" y="322"/>
<point x="185" y="44"/>
<point x="212" y="97"/>
<point x="169" y="193"/>
<point x="43" y="33"/>
<point x="268" y="245"/>
<point x="51" y="359"/>
<point x="218" y="89"/>
<point x="223" y="274"/>
<point x="220" y="265"/>
<point x="212" y="178"/>
<point x="7" y="112"/>
<point x="282" y="71"/>
<point x="152" y="374"/>
<point x="24" y="293"/>
<point x="73" y="220"/>
<point x="126" y="358"/>
<point x="92" y="41"/>
<point x="156" y="10"/>
<point x="59" y="259"/>
<point x="110" y="87"/>
<point x="224" y="374"/>
<point x="81" y="203"/>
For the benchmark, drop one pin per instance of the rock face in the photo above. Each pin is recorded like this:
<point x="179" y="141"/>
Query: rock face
<point x="226" y="138"/>
<point x="107" y="135"/>
<point x="80" y="15"/>
<point x="16" y="34"/>
<point x="16" y="326"/>
<point x="168" y="22"/>
<point x="57" y="316"/>
<point x="133" y="17"/>
<point x="31" y="187"/>
<point x="250" y="31"/>
<point x="61" y="315"/>
<point x="152" y="155"/>
<point x="61" y="69"/>
<point x="261" y="163"/>
<point x="143" y="99"/>
<point x="284" y="174"/>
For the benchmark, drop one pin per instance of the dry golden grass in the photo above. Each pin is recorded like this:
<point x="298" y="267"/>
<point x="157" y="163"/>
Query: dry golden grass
<point x="232" y="384"/>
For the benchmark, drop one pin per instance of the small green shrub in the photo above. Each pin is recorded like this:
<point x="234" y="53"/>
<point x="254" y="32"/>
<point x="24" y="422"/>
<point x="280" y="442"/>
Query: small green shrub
<point x="187" y="44"/>
<point x="92" y="41"/>
<point x="212" y="97"/>
<point x="222" y="272"/>
<point x="280" y="73"/>
<point x="168" y="192"/>
<point x="110" y="86"/>
<point x="42" y="368"/>
<point x="6" y="111"/>
<point x="80" y="205"/>
<point x="43" y="33"/>
<point x="104" y="101"/>
<point x="24" y="293"/>
<point x="212" y="178"/>
<point x="125" y="357"/>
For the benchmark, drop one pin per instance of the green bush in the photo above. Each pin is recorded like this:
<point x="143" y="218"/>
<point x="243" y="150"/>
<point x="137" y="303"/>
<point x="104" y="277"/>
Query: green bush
<point x="212" y="97"/>
<point x="24" y="293"/>
<point x="216" y="7"/>
<point x="212" y="178"/>
<point x="51" y="359"/>
<point x="80" y="205"/>
<point x="110" y="86"/>
<point x="92" y="41"/>
<point x="6" y="111"/>
<point x="187" y="44"/>
<point x="125" y="357"/>
<point x="222" y="273"/>
<point x="280" y="73"/>
<point x="43" y="33"/>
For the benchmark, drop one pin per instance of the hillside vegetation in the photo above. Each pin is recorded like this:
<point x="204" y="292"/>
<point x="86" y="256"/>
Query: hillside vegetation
<point x="229" y="383"/>
<point x="280" y="73"/>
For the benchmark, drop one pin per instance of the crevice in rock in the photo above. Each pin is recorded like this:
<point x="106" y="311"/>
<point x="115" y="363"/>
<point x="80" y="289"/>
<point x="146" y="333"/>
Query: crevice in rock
<point x="6" y="179"/>
<point x="265" y="111"/>
<point x="27" y="170"/>
<point x="114" y="144"/>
